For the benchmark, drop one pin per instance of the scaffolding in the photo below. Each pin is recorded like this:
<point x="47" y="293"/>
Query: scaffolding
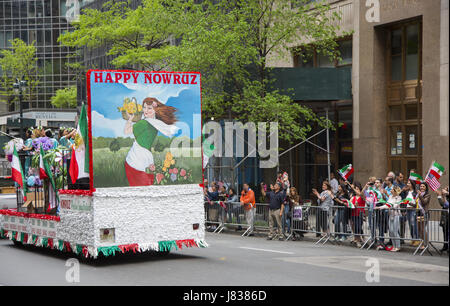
<point x="229" y="169"/>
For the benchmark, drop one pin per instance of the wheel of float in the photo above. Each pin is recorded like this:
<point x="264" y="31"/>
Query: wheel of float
<point x="162" y="253"/>
<point x="17" y="243"/>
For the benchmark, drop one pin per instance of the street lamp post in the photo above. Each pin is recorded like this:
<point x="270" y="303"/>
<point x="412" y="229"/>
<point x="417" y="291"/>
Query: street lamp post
<point x="19" y="86"/>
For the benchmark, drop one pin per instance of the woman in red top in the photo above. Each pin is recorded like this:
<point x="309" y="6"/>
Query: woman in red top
<point x="357" y="214"/>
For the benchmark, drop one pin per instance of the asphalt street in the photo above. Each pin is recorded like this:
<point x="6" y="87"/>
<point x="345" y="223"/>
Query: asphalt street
<point x="230" y="260"/>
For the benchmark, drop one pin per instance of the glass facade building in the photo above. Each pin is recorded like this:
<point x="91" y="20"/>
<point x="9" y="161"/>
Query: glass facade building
<point x="41" y="21"/>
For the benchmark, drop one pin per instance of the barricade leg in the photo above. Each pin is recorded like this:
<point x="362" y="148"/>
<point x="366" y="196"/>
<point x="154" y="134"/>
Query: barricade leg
<point x="324" y="223"/>
<point x="291" y="227"/>
<point x="221" y="216"/>
<point x="319" y="224"/>
<point x="222" y="220"/>
<point x="373" y="219"/>
<point x="249" y="216"/>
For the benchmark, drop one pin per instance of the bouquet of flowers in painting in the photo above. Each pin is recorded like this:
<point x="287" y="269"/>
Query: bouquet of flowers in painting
<point x="168" y="172"/>
<point x="129" y="108"/>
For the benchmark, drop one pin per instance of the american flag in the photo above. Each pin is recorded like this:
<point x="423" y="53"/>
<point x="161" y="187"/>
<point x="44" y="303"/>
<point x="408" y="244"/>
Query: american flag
<point x="432" y="181"/>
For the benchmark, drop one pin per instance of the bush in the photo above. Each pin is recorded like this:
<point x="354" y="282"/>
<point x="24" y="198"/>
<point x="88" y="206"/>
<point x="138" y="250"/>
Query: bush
<point x="114" y="146"/>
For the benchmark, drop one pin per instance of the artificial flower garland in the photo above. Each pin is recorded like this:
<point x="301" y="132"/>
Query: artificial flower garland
<point x="87" y="251"/>
<point x="10" y="212"/>
<point x="89" y="193"/>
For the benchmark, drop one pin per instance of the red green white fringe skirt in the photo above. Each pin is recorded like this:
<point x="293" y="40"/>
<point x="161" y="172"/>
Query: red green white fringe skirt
<point x="93" y="252"/>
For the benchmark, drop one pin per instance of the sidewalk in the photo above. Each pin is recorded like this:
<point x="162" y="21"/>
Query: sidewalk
<point x="311" y="237"/>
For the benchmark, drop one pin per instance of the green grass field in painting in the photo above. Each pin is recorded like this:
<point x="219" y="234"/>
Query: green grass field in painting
<point x="109" y="167"/>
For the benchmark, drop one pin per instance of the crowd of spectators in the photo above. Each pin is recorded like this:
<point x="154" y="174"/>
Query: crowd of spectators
<point x="389" y="207"/>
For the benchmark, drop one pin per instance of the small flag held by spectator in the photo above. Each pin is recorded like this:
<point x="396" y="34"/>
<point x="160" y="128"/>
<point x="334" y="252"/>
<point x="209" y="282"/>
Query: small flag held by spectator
<point x="346" y="171"/>
<point x="415" y="178"/>
<point x="350" y="203"/>
<point x="433" y="176"/>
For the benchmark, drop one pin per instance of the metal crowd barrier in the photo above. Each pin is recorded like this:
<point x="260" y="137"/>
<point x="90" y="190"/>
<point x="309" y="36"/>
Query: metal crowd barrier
<point x="369" y="227"/>
<point x="376" y="226"/>
<point x="36" y="197"/>
<point x="220" y="215"/>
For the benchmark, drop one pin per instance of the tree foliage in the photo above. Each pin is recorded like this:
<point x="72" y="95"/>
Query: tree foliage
<point x="136" y="38"/>
<point x="114" y="146"/>
<point x="66" y="97"/>
<point x="229" y="41"/>
<point x="19" y="62"/>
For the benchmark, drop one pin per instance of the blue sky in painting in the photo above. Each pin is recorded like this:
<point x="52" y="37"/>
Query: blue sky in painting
<point x="107" y="121"/>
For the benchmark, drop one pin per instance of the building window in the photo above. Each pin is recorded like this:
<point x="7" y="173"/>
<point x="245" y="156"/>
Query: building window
<point x="396" y="55"/>
<point x="323" y="61"/>
<point x="310" y="58"/>
<point x="303" y="60"/>
<point x="412" y="52"/>
<point x="404" y="101"/>
<point x="346" y="52"/>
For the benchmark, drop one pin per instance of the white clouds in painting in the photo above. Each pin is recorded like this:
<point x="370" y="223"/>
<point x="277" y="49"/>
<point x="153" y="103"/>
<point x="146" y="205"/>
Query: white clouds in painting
<point x="161" y="92"/>
<point x="107" y="127"/>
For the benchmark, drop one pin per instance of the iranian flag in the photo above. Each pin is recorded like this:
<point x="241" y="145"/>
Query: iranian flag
<point x="46" y="173"/>
<point x="434" y="174"/>
<point x="346" y="171"/>
<point x="375" y="194"/>
<point x="350" y="203"/>
<point x="385" y="203"/>
<point x="79" y="163"/>
<point x="409" y="202"/>
<point x="43" y="165"/>
<point x="17" y="172"/>
<point x="437" y="170"/>
<point x="415" y="178"/>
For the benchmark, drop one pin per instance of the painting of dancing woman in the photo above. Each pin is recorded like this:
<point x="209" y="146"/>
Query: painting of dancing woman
<point x="144" y="126"/>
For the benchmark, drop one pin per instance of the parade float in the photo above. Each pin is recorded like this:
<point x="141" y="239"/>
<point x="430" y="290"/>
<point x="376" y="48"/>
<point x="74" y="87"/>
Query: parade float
<point x="134" y="172"/>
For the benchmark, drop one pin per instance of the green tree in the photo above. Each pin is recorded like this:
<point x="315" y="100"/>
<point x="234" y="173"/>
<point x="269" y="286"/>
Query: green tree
<point x="229" y="41"/>
<point x="66" y="97"/>
<point x="114" y="146"/>
<point x="18" y="62"/>
<point x="136" y="38"/>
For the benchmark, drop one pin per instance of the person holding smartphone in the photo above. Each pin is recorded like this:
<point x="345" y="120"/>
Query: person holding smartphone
<point x="276" y="199"/>
<point x="325" y="201"/>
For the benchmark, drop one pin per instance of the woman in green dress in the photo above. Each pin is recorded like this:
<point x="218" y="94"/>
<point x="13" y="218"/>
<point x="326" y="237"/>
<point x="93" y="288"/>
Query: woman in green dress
<point x="157" y="118"/>
<point x="28" y="147"/>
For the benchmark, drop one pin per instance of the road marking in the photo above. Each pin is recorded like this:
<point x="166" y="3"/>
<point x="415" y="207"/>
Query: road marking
<point x="393" y="268"/>
<point x="265" y="250"/>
